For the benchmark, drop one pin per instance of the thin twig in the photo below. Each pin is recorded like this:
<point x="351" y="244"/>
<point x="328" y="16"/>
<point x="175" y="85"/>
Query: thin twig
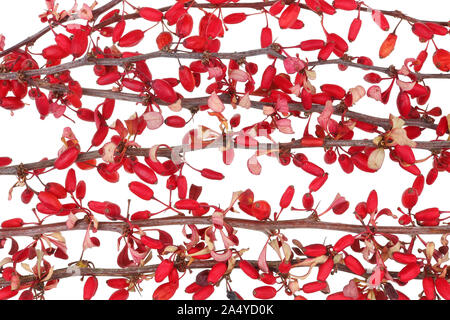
<point x="88" y="61"/>
<point x="193" y="103"/>
<point x="255" y="225"/>
<point x="210" y="144"/>
<point x="131" y="272"/>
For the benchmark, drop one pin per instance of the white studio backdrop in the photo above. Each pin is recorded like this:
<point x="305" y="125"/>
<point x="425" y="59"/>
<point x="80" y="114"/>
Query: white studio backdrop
<point x="26" y="138"/>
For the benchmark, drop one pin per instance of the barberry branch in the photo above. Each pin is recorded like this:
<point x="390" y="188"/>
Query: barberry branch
<point x="146" y="270"/>
<point x="259" y="6"/>
<point x="89" y="60"/>
<point x="254" y="225"/>
<point x="193" y="103"/>
<point x="166" y="152"/>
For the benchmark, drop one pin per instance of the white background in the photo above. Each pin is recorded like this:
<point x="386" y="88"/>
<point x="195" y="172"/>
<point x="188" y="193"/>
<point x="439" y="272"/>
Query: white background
<point x="26" y="138"/>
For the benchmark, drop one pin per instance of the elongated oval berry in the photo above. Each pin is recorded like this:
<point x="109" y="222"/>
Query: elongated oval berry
<point x="186" y="78"/>
<point x="441" y="59"/>
<point x="443" y="288"/>
<point x="108" y="175"/>
<point x="410" y="198"/>
<point x="315" y="250"/>
<point x="118" y="30"/>
<point x="234" y="18"/>
<point x="248" y="269"/>
<point x="50" y="200"/>
<point x="216" y="272"/>
<point x="121" y="294"/>
<point x="344" y="242"/>
<point x="330" y="156"/>
<point x="145" y="173"/>
<point x="165" y="291"/>
<point x="6" y="293"/>
<point x="266" y="37"/>
<point x="345" y="4"/>
<point x="267" y="77"/>
<point x="403" y="104"/>
<point x="325" y="269"/>
<point x="175" y="122"/>
<point x="428" y="288"/>
<point x="388" y="45"/>
<point x="308" y="201"/>
<point x="187" y="204"/>
<point x="151" y="14"/>
<point x="27" y="195"/>
<point x="409" y="272"/>
<point x="164" y="39"/>
<point x="422" y="31"/>
<point x="204" y="293"/>
<point x="67" y="158"/>
<point x="264" y="292"/>
<point x="317" y="183"/>
<point x="354" y="29"/>
<point x="164" y="91"/>
<point x="315" y="286"/>
<point x="4" y="161"/>
<point x="141" y="190"/>
<point x="372" y="77"/>
<point x="163" y="270"/>
<point x="312" y="45"/>
<point x="287" y="196"/>
<point x="134" y="85"/>
<point x="404" y="258"/>
<point x="312" y="169"/>
<point x="354" y="265"/>
<point x="131" y="39"/>
<point x="429" y="214"/>
<point x="211" y="174"/>
<point x="90" y="288"/>
<point x="405" y="154"/>
<point x="12" y="223"/>
<point x="289" y="16"/>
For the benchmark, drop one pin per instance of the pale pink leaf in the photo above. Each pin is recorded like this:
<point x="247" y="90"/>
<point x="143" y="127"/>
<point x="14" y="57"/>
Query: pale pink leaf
<point x="358" y="93"/>
<point x="194" y="237"/>
<point x="253" y="165"/>
<point x="214" y="103"/>
<point x="351" y="290"/>
<point x="293" y="65"/>
<point x="246" y="140"/>
<point x="220" y="257"/>
<point x="284" y="125"/>
<point x="245" y="101"/>
<point x="71" y="221"/>
<point x="262" y="260"/>
<point x="405" y="86"/>
<point x="239" y="75"/>
<point x="109" y="150"/>
<point x="282" y="105"/>
<point x="268" y="110"/>
<point x="2" y="42"/>
<point x="217" y="219"/>
<point x="325" y="116"/>
<point x="374" y="92"/>
<point x="215" y="72"/>
<point x="227" y="242"/>
<point x="176" y="106"/>
<point x="154" y="119"/>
